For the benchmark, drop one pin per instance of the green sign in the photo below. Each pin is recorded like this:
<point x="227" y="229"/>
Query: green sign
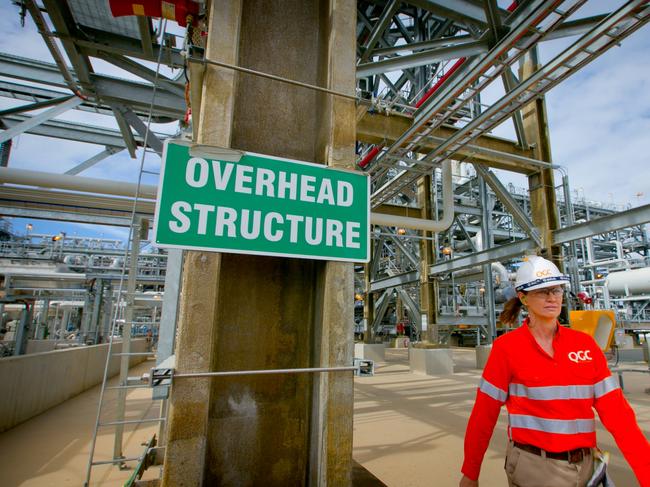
<point x="228" y="201"/>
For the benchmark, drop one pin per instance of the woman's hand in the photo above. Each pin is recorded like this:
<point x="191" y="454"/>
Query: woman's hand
<point x="467" y="482"/>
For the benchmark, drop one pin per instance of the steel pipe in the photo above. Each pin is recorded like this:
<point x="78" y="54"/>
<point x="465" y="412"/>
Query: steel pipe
<point x="75" y="183"/>
<point x="422" y="223"/>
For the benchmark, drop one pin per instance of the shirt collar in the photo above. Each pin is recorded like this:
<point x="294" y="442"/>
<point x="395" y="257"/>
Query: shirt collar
<point x="558" y="330"/>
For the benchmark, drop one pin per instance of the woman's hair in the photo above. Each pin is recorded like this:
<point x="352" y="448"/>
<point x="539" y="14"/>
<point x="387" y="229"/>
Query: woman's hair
<point x="511" y="310"/>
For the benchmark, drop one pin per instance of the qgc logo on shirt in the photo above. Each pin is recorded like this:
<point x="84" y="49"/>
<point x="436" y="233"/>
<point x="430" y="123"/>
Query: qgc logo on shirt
<point x="580" y="356"/>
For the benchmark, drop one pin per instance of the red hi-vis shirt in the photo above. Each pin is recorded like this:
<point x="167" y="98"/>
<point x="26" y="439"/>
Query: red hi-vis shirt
<point x="550" y="399"/>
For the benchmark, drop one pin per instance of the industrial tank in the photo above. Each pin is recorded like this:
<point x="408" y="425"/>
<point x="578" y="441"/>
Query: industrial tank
<point x="635" y="281"/>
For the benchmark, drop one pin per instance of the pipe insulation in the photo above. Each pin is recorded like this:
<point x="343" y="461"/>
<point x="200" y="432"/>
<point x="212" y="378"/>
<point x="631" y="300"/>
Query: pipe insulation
<point x="42" y="179"/>
<point x="75" y="183"/>
<point x="422" y="223"/>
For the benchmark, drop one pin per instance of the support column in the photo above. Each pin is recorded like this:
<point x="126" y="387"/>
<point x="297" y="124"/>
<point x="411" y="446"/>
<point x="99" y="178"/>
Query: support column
<point x="543" y="201"/>
<point x="487" y="241"/>
<point x="107" y="314"/>
<point x="86" y="316"/>
<point x="254" y="312"/>
<point x="65" y="319"/>
<point x="22" y="332"/>
<point x="45" y="310"/>
<point x="97" y="305"/>
<point x="428" y="287"/>
<point x="126" y="334"/>
<point x="369" y="303"/>
<point x="541" y="184"/>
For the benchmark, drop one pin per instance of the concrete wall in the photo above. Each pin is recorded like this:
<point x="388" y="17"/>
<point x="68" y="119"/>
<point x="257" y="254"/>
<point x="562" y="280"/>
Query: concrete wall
<point x="32" y="384"/>
<point x="40" y="346"/>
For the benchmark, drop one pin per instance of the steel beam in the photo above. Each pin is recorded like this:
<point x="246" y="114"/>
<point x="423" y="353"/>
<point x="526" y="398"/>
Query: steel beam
<point x="492" y="151"/>
<point x="508" y="201"/>
<point x="167" y="330"/>
<point x="35" y="106"/>
<point x="400" y="245"/>
<point x="144" y="73"/>
<point x="91" y="134"/>
<point x="394" y="281"/>
<point x="32" y="122"/>
<point x="100" y="41"/>
<point x="378" y="30"/>
<point x="125" y="129"/>
<point x="566" y="29"/>
<point x="109" y="151"/>
<point x="502" y="252"/>
<point x="141" y="128"/>
<point x="463" y="10"/>
<point x="65" y="216"/>
<point x="133" y="94"/>
<point x="61" y="18"/>
<point x="144" y="26"/>
<point x="76" y="203"/>
<point x="422" y="58"/>
<point x="41" y="95"/>
<point x="629" y="218"/>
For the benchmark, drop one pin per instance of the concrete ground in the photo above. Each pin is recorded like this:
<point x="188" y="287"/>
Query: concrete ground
<point x="52" y="448"/>
<point x="408" y="431"/>
<point x="409" y="428"/>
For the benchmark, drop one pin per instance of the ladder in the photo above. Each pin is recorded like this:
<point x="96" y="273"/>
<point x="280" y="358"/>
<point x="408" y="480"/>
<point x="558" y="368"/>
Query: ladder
<point x="608" y="33"/>
<point x="126" y="299"/>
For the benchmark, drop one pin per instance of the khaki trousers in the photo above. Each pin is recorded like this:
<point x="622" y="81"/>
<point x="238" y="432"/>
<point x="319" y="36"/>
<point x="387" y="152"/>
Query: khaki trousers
<point x="525" y="469"/>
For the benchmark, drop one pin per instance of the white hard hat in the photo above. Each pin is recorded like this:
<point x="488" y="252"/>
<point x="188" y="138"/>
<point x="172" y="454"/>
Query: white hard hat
<point x="537" y="273"/>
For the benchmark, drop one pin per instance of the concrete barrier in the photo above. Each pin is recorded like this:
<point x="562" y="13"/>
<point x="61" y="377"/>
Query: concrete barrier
<point x="374" y="352"/>
<point x="431" y="361"/>
<point x="482" y="355"/>
<point x="40" y="346"/>
<point x="32" y="384"/>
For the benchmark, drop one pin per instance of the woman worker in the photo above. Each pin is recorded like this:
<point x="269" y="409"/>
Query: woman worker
<point x="549" y="377"/>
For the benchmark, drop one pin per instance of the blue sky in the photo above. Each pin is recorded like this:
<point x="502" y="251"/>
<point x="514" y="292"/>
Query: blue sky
<point x="599" y="125"/>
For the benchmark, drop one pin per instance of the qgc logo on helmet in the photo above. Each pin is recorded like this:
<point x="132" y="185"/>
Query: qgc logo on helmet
<point x="580" y="356"/>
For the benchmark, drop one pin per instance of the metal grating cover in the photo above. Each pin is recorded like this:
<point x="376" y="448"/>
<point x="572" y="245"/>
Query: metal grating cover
<point x="97" y="14"/>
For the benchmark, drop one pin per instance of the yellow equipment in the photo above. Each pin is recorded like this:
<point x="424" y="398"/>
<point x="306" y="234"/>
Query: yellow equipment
<point x="599" y="324"/>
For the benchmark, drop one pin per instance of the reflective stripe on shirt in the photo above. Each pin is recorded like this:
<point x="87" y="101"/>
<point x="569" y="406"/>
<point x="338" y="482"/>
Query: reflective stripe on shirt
<point x="493" y="391"/>
<point x="550" y="393"/>
<point x="558" y="426"/>
<point x="605" y="386"/>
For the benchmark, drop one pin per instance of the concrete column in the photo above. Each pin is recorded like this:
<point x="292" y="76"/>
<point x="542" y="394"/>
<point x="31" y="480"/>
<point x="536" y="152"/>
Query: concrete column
<point x="253" y="312"/>
<point x="428" y="287"/>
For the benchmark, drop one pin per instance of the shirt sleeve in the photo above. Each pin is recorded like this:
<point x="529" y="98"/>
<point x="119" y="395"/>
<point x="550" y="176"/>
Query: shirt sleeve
<point x="490" y="396"/>
<point x="619" y="419"/>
